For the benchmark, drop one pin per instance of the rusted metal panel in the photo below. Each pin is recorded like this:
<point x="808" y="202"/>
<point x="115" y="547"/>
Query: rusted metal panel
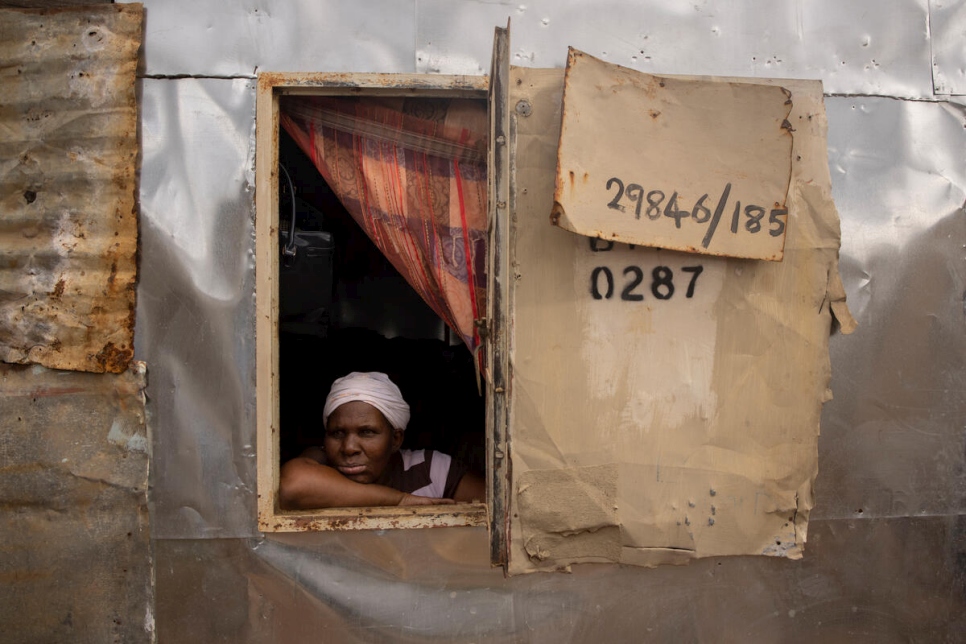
<point x="44" y="4"/>
<point x="75" y="553"/>
<point x="667" y="162"/>
<point x="68" y="137"/>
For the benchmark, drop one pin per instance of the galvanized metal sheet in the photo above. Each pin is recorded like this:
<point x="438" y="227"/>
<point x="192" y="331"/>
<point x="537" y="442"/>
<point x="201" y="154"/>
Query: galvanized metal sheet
<point x="947" y="28"/>
<point x="861" y="47"/>
<point x="240" y="39"/>
<point x="75" y="554"/>
<point x="196" y="308"/>
<point x="68" y="137"/>
<point x="868" y="47"/>
<point x="380" y="587"/>
<point x="637" y="151"/>
<point x="892" y="439"/>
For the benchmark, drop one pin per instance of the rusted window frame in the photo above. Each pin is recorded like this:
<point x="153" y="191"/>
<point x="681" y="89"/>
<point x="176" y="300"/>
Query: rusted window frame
<point x="271" y="518"/>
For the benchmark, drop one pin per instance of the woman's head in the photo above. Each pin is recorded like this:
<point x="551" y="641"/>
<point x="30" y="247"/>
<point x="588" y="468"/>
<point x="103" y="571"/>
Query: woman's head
<point x="371" y="387"/>
<point x="364" y="417"/>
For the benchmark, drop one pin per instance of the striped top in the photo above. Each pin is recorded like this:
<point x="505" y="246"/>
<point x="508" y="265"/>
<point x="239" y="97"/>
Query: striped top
<point x="423" y="472"/>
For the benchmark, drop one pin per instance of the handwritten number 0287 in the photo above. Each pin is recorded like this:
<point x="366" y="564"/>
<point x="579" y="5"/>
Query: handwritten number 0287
<point x="662" y="282"/>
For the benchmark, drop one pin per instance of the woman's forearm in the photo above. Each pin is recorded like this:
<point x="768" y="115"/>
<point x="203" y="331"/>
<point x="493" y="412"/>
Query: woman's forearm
<point x="306" y="484"/>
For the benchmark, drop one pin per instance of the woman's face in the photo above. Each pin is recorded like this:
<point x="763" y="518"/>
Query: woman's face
<point x="359" y="441"/>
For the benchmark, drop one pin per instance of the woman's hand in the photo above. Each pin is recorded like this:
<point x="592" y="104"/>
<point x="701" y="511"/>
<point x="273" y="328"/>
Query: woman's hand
<point x="411" y="499"/>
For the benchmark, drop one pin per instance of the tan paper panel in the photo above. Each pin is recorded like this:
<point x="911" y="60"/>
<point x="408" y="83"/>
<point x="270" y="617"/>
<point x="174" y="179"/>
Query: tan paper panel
<point x="68" y="210"/>
<point x="696" y="380"/>
<point x="669" y="162"/>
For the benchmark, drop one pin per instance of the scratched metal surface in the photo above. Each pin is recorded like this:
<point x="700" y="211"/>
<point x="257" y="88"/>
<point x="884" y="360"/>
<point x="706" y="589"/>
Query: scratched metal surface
<point x="68" y="212"/>
<point x="885" y="556"/>
<point x="75" y="550"/>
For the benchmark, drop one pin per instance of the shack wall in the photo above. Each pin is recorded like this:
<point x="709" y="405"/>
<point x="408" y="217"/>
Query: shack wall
<point x="75" y="549"/>
<point x="886" y="548"/>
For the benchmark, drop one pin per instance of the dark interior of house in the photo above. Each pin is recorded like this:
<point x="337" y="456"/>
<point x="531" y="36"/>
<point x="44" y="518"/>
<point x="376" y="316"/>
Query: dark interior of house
<point x="343" y="307"/>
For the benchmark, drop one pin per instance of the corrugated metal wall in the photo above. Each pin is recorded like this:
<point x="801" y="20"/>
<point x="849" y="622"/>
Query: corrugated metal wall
<point x="886" y="555"/>
<point x="75" y="550"/>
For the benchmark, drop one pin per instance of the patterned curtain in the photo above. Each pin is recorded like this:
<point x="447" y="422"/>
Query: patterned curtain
<point x="412" y="173"/>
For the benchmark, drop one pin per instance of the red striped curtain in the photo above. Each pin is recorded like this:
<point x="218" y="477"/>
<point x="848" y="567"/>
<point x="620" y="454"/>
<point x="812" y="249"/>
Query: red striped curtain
<point x="412" y="173"/>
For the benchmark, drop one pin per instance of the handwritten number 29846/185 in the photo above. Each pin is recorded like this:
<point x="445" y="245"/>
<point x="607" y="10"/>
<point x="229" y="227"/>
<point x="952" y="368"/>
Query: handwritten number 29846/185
<point x="699" y="213"/>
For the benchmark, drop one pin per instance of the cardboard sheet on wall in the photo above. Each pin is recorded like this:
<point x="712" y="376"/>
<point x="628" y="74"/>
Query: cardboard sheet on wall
<point x="664" y="405"/>
<point x="680" y="163"/>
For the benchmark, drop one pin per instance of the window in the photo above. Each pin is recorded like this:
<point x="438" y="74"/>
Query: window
<point x="340" y="306"/>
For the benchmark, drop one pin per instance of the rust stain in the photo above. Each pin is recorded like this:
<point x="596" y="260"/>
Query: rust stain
<point x="654" y="114"/>
<point x="114" y="359"/>
<point x="104" y="207"/>
<point x="20" y="576"/>
<point x="356" y="83"/>
<point x="586" y="177"/>
<point x="379" y="518"/>
<point x="43" y="392"/>
<point x="572" y="178"/>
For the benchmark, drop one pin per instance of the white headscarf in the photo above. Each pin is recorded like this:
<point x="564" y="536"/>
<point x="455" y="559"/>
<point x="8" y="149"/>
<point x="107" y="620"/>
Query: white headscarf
<point x="374" y="388"/>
